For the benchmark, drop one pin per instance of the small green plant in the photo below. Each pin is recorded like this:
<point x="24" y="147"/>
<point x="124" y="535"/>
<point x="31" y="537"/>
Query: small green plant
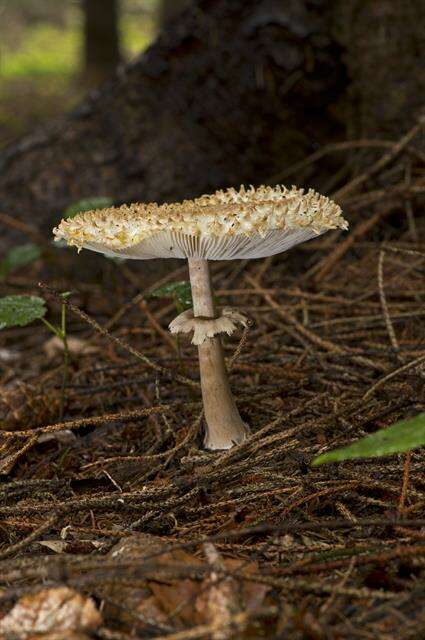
<point x="18" y="311"/>
<point x="18" y="257"/>
<point x="88" y="204"/>
<point x="22" y="310"/>
<point x="404" y="435"/>
<point x="179" y="292"/>
<point x="181" y="295"/>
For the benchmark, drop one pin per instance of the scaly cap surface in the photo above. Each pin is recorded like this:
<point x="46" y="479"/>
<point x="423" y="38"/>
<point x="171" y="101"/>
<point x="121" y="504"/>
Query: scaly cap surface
<point x="229" y="224"/>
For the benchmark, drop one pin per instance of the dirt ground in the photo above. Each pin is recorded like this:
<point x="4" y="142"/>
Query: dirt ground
<point x="118" y="501"/>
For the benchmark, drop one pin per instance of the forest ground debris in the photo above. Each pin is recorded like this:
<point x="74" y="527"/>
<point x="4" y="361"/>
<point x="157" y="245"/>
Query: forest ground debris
<point x="340" y="550"/>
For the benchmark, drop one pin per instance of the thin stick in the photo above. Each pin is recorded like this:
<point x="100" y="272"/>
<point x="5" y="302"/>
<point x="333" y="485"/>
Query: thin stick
<point x="31" y="232"/>
<point x="93" y="421"/>
<point x="323" y="267"/>
<point x="327" y="149"/>
<point x="410" y="365"/>
<point x="157" y="327"/>
<point x="406" y="473"/>
<point x="43" y="528"/>
<point x="97" y="327"/>
<point x="382" y="162"/>
<point x="384" y="305"/>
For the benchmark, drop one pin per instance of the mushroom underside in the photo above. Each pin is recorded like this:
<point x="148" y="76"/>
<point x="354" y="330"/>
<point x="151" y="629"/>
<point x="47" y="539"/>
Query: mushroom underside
<point x="172" y="244"/>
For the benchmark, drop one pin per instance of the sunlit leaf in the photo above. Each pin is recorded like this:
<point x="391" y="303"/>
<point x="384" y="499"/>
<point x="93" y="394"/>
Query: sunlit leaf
<point x="88" y="204"/>
<point x="180" y="292"/>
<point x="404" y="435"/>
<point x="18" y="311"/>
<point x="19" y="257"/>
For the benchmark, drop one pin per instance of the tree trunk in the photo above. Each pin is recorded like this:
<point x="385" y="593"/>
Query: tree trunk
<point x="169" y="9"/>
<point x="101" y="38"/>
<point x="385" y="44"/>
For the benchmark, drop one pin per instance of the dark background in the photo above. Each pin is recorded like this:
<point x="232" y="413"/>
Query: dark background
<point x="224" y="93"/>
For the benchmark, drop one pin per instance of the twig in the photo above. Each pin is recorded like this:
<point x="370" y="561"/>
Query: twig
<point x="382" y="162"/>
<point x="121" y="416"/>
<point x="19" y="546"/>
<point x="327" y="149"/>
<point x="406" y="470"/>
<point x="393" y="374"/>
<point x="323" y="267"/>
<point x="387" y="317"/>
<point x="242" y="342"/>
<point x="134" y="352"/>
<point x="327" y="345"/>
<point x="7" y="463"/>
<point x="157" y="327"/>
<point x="337" y="590"/>
<point x="156" y="456"/>
<point x="24" y="228"/>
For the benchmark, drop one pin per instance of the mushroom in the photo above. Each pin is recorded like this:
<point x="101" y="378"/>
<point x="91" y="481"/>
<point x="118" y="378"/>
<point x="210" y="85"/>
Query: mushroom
<point x="227" y="225"/>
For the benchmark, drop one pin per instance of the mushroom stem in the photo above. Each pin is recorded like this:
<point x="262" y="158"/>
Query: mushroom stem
<point x="224" y="424"/>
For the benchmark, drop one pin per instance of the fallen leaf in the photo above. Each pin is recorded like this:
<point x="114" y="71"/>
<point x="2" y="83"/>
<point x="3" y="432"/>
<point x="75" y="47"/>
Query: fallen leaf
<point x="224" y="597"/>
<point x="65" y="437"/>
<point x="55" y="610"/>
<point x="71" y="546"/>
<point x="58" y="546"/>
<point x="213" y="600"/>
<point x="157" y="598"/>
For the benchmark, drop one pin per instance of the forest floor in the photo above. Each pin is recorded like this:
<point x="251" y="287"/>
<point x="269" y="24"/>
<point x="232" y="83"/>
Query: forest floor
<point x="118" y="501"/>
<point x="41" y="63"/>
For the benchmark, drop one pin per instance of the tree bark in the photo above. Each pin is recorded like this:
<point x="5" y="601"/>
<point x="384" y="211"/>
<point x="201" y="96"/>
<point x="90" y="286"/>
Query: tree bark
<point x="230" y="93"/>
<point x="169" y="9"/>
<point x="385" y="44"/>
<point x="101" y="38"/>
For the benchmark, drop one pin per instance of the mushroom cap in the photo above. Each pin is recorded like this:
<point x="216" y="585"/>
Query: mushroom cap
<point x="230" y="224"/>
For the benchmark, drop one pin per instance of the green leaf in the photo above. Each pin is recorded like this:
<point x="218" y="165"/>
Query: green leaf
<point x="19" y="257"/>
<point x="404" y="435"/>
<point x="88" y="204"/>
<point x="18" y="311"/>
<point x="180" y="292"/>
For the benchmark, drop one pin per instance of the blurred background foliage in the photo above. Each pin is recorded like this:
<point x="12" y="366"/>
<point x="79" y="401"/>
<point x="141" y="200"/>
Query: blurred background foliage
<point x="43" y="52"/>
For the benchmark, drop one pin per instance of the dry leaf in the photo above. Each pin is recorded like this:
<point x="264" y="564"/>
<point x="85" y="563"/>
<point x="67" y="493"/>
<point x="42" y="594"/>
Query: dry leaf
<point x="224" y="597"/>
<point x="56" y="611"/>
<point x="76" y="347"/>
<point x="71" y="546"/>
<point x="224" y="601"/>
<point x="65" y="437"/>
<point x="212" y="601"/>
<point x="157" y="598"/>
<point x="58" y="546"/>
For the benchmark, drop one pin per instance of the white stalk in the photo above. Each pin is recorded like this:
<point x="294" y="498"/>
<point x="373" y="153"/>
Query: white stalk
<point x="224" y="424"/>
